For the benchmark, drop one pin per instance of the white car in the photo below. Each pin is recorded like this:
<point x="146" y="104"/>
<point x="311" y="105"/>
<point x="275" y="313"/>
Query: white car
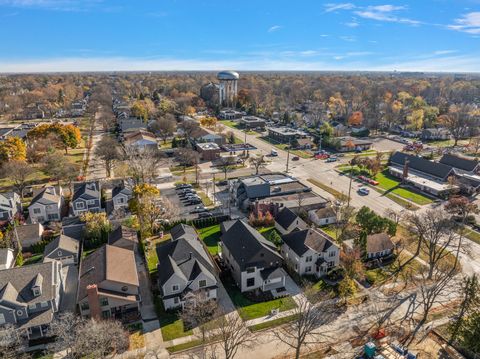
<point x="363" y="191"/>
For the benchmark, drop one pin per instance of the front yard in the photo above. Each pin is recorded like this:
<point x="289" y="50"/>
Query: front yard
<point x="170" y="323"/>
<point x="210" y="236"/>
<point x="250" y="310"/>
<point x="391" y="184"/>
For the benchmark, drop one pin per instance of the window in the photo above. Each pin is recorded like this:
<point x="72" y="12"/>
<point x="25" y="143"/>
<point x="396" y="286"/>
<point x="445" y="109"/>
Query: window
<point x="331" y="254"/>
<point x="84" y="306"/>
<point x="250" y="282"/>
<point x="36" y="292"/>
<point x="19" y="313"/>
<point x="331" y="264"/>
<point x="308" y="259"/>
<point x="2" y="318"/>
<point x="175" y="287"/>
<point x="106" y="314"/>
<point x="103" y="302"/>
<point x="80" y="205"/>
<point x="37" y="211"/>
<point x="32" y="306"/>
<point x="176" y="300"/>
<point x="202" y="283"/>
<point x="91" y="202"/>
<point x="52" y="216"/>
<point x="121" y="200"/>
<point x="44" y="304"/>
<point x="308" y="269"/>
<point x="59" y="253"/>
<point x="251" y="270"/>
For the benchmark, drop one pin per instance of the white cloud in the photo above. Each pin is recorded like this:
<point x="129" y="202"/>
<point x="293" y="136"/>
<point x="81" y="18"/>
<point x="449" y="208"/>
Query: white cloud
<point x="348" y="38"/>
<point x="58" y="5"/>
<point x="352" y="24"/>
<point x="464" y="63"/>
<point x="334" y="7"/>
<point x="274" y="28"/>
<point x="386" y="8"/>
<point x="444" y="52"/>
<point x="469" y="23"/>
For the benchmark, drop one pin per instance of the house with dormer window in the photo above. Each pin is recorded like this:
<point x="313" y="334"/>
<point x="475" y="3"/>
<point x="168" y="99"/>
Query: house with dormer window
<point x="87" y="197"/>
<point x="29" y="297"/>
<point x="186" y="271"/>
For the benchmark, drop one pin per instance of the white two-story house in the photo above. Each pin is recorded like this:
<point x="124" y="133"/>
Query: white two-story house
<point x="253" y="261"/>
<point x="87" y="197"/>
<point x="47" y="205"/>
<point x="10" y="205"/>
<point x="186" y="271"/>
<point x="310" y="252"/>
<point x="29" y="297"/>
<point x="121" y="194"/>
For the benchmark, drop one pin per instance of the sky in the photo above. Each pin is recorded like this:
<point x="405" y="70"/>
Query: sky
<point x="272" y="35"/>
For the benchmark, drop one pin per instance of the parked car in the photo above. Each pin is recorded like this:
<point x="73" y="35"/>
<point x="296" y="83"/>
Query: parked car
<point x="331" y="159"/>
<point x="363" y="191"/>
<point x="194" y="201"/>
<point x="295" y="158"/>
<point x="183" y="186"/>
<point x="205" y="215"/>
<point x="274" y="153"/>
<point x="198" y="210"/>
<point x="222" y="183"/>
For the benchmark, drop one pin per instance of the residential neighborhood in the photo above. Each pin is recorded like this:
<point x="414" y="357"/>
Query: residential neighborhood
<point x="281" y="215"/>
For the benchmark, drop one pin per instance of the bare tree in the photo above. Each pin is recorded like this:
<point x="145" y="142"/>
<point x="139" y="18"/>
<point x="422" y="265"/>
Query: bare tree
<point x="225" y="164"/>
<point x="10" y="343"/>
<point x="143" y="163"/>
<point x="109" y="151"/>
<point x="63" y="328"/>
<point x="304" y="329"/>
<point x="186" y="157"/>
<point x="58" y="167"/>
<point x="19" y="172"/>
<point x="232" y="335"/>
<point x="344" y="214"/>
<point x="165" y="125"/>
<point x="257" y="162"/>
<point x="458" y="120"/>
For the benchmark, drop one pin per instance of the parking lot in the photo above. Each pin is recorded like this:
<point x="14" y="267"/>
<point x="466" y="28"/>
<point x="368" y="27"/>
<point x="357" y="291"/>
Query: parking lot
<point x="180" y="203"/>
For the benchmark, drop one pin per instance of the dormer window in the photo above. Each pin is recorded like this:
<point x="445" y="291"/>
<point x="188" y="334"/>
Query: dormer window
<point x="36" y="292"/>
<point x="37" y="285"/>
<point x="59" y="253"/>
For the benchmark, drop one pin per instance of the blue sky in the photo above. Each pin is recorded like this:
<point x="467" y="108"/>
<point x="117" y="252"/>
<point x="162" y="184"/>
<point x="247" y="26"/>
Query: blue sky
<point x="85" y="35"/>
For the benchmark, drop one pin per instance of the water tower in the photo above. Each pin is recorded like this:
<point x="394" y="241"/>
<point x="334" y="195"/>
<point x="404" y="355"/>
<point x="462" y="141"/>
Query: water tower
<point x="227" y="89"/>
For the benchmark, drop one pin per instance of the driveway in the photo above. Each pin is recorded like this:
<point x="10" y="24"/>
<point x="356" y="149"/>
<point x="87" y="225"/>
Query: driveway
<point x="147" y="307"/>
<point x="69" y="298"/>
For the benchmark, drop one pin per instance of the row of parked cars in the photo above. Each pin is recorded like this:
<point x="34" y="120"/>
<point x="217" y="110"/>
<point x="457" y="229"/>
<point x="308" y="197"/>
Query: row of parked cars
<point x="189" y="197"/>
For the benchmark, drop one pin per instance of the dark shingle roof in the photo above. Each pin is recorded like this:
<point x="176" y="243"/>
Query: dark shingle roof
<point x="285" y="217"/>
<point x="121" y="188"/>
<point x="301" y="241"/>
<point x="89" y="190"/>
<point x="248" y="247"/>
<point x="180" y="230"/>
<point x="122" y="232"/>
<point x="422" y="165"/>
<point x="459" y="162"/>
<point x="184" y="256"/>
<point x="16" y="283"/>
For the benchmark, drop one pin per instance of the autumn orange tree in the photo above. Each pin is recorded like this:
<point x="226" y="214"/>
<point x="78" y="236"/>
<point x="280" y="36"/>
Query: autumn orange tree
<point x="68" y="135"/>
<point x="13" y="149"/>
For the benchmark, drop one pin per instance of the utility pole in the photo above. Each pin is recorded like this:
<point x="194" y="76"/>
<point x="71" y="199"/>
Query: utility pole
<point x="214" y="201"/>
<point x="288" y="155"/>
<point x="350" y="185"/>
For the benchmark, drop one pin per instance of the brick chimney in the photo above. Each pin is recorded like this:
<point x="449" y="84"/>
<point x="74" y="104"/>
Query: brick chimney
<point x="94" y="302"/>
<point x="405" y="169"/>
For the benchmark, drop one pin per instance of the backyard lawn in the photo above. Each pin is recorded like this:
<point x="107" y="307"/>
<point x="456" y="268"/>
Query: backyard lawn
<point x="391" y="184"/>
<point x="251" y="310"/>
<point x="210" y="236"/>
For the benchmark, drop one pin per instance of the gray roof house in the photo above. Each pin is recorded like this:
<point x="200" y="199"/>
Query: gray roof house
<point x="310" y="252"/>
<point x="86" y="197"/>
<point x="185" y="269"/>
<point x="253" y="261"/>
<point x="121" y="194"/>
<point x="287" y="221"/>
<point x="323" y="216"/>
<point x="10" y="205"/>
<point x="46" y="205"/>
<point x="29" y="297"/>
<point x="29" y="234"/>
<point x="63" y="249"/>
<point x="73" y="227"/>
<point x="108" y="285"/>
<point x="461" y="164"/>
<point x="123" y="237"/>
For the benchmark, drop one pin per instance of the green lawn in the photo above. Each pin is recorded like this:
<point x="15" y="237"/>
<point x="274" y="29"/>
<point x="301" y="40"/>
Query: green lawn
<point x="273" y="323"/>
<point x="184" y="346"/>
<point x="472" y="235"/>
<point x="170" y="324"/>
<point x="151" y="253"/>
<point x="391" y="184"/>
<point x="33" y="259"/>
<point x="251" y="310"/>
<point x="330" y="230"/>
<point x="210" y="236"/>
